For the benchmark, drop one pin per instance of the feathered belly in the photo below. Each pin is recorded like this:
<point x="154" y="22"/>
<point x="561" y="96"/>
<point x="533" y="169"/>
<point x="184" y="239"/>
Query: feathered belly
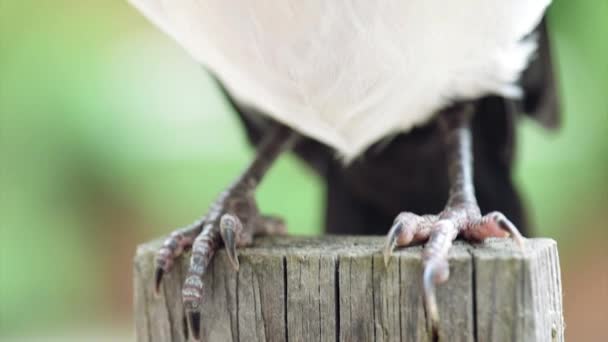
<point x="348" y="73"/>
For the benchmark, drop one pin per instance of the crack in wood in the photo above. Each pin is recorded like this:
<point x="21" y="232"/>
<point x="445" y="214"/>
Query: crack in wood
<point x="336" y="289"/>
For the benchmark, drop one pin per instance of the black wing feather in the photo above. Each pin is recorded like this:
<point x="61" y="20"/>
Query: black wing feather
<point x="541" y="100"/>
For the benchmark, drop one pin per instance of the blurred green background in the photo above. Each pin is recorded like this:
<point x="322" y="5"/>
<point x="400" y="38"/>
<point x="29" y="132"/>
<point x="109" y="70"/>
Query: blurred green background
<point x="110" y="135"/>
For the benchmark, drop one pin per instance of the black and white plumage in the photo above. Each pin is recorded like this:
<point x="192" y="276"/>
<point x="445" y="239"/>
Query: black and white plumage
<point x="348" y="73"/>
<point x="434" y="84"/>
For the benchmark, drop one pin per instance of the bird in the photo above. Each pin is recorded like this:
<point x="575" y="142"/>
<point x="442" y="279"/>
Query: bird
<point x="407" y="109"/>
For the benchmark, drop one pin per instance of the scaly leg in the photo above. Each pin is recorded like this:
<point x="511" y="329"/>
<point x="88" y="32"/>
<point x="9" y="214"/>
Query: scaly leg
<point x="460" y="217"/>
<point x="233" y="220"/>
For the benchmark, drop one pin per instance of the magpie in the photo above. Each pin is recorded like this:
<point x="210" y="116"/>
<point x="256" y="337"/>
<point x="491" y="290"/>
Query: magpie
<point x="388" y="101"/>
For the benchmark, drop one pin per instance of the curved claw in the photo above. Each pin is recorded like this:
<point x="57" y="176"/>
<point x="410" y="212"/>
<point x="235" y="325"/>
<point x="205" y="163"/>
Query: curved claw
<point x="435" y="272"/>
<point x="508" y="226"/>
<point x="194" y="324"/>
<point x="230" y="227"/>
<point x="391" y="241"/>
<point x="158" y="279"/>
<point x="408" y="228"/>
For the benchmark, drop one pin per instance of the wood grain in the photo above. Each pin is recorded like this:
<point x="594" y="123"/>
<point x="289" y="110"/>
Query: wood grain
<point x="338" y="289"/>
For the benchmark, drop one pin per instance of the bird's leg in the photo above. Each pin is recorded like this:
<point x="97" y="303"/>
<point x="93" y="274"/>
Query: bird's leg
<point x="460" y="217"/>
<point x="232" y="220"/>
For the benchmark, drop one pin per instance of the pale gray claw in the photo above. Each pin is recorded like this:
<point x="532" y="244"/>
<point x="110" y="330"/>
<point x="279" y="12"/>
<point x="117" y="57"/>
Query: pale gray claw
<point x="230" y="229"/>
<point x="435" y="271"/>
<point x="505" y="224"/>
<point x="391" y="241"/>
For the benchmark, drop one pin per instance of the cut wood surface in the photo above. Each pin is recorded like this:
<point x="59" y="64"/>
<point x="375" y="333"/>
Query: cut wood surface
<point x="337" y="288"/>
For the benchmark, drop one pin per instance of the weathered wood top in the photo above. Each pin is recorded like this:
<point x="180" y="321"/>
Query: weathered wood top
<point x="337" y="288"/>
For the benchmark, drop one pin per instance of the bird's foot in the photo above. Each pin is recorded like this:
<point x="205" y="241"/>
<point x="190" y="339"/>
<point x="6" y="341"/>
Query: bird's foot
<point x="439" y="231"/>
<point x="233" y="221"/>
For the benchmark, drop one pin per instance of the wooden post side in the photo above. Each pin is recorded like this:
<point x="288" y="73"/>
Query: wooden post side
<point x="338" y="289"/>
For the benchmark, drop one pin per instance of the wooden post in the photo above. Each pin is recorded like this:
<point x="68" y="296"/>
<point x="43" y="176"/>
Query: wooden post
<point x="338" y="289"/>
